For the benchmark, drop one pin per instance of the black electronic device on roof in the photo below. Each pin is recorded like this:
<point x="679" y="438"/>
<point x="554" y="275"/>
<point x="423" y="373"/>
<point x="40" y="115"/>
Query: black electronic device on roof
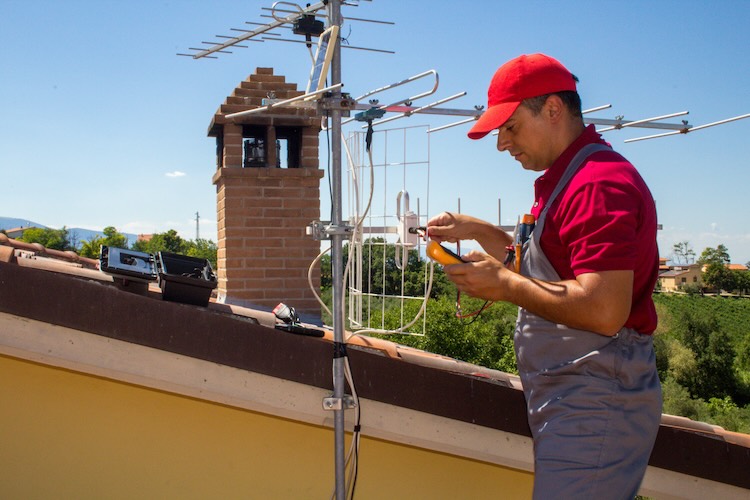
<point x="185" y="279"/>
<point x="127" y="264"/>
<point x="182" y="278"/>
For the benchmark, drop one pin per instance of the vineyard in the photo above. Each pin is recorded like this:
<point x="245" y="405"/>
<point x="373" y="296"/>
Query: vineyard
<point x="732" y="314"/>
<point x="703" y="355"/>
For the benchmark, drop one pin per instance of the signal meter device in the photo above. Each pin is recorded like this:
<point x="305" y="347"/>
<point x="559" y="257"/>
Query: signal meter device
<point x="442" y="255"/>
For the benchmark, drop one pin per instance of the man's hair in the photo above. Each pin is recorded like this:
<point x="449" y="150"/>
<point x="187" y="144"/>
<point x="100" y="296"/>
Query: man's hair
<point x="570" y="98"/>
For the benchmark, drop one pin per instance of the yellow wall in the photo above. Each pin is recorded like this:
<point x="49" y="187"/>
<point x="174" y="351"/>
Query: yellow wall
<point x="65" y="434"/>
<point x="693" y="275"/>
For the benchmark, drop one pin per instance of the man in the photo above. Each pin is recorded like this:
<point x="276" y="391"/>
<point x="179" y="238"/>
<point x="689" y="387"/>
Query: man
<point x="583" y="335"/>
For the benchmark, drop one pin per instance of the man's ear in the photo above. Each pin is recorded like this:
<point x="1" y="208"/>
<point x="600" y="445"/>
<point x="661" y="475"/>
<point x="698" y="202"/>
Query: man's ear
<point x="553" y="108"/>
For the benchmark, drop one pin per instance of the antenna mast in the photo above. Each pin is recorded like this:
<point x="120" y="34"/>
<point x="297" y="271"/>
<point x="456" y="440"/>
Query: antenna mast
<point x="337" y="238"/>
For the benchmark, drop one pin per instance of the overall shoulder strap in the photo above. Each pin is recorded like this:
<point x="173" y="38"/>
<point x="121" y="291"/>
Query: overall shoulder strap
<point x="570" y="171"/>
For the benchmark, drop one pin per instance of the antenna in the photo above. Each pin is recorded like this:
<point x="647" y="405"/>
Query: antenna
<point x="197" y="226"/>
<point x="302" y="21"/>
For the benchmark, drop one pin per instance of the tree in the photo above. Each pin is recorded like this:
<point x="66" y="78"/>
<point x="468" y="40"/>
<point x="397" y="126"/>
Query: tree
<point x="677" y="401"/>
<point x="718" y="255"/>
<point x="726" y="413"/>
<point x="682" y="362"/>
<point x="487" y="342"/>
<point x="326" y="278"/>
<point x="56" y="239"/>
<point x="713" y="374"/>
<point x="169" y="241"/>
<point x="720" y="277"/>
<point x="111" y="239"/>
<point x="172" y="242"/>
<point x="203" y="249"/>
<point x="682" y="252"/>
<point x="743" y="281"/>
<point x="716" y="274"/>
<point x="73" y="239"/>
<point x="743" y="354"/>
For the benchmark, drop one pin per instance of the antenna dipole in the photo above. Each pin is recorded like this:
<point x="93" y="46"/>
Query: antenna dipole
<point x="217" y="47"/>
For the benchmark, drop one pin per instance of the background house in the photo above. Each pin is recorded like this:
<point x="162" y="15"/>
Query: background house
<point x="16" y="232"/>
<point x="676" y="277"/>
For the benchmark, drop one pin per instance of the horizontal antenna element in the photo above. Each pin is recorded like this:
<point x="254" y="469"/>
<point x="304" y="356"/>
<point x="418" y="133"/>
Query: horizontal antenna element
<point x="688" y="129"/>
<point x="624" y="124"/>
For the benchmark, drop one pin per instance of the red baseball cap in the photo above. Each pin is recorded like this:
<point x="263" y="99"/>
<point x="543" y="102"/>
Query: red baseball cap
<point x="520" y="78"/>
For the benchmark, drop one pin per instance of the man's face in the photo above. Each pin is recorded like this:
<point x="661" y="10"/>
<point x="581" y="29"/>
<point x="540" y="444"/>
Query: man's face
<point x="526" y="137"/>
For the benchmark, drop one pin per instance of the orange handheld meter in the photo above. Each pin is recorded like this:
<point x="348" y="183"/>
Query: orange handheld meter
<point x="442" y="255"/>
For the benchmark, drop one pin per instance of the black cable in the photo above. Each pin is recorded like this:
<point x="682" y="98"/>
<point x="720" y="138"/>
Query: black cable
<point x="368" y="136"/>
<point x="356" y="431"/>
<point x="355" y="435"/>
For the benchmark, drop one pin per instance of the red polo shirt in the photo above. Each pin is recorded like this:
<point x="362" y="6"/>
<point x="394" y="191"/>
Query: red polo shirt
<point x="604" y="220"/>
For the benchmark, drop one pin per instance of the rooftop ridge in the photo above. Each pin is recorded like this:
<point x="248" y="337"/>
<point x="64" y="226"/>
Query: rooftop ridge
<point x="38" y="248"/>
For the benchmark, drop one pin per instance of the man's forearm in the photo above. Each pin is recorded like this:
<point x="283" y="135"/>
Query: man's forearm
<point x="597" y="302"/>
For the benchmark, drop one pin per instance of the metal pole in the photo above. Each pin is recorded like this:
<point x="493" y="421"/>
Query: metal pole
<point x="334" y="12"/>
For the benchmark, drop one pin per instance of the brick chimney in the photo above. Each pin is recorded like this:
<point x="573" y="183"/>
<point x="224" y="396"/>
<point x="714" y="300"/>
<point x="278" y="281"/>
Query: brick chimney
<point x="267" y="191"/>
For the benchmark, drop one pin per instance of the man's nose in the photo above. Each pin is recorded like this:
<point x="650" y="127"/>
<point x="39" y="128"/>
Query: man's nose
<point x="502" y="140"/>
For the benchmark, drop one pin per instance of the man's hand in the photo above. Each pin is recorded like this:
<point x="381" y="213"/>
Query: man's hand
<point x="455" y="227"/>
<point x="450" y="227"/>
<point x="482" y="276"/>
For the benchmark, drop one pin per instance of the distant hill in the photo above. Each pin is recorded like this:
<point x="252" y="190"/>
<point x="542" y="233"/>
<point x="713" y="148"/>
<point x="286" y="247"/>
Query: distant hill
<point x="12" y="223"/>
<point x="80" y="234"/>
<point x="77" y="233"/>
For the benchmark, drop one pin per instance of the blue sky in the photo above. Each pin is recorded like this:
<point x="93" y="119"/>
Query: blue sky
<point x="102" y="124"/>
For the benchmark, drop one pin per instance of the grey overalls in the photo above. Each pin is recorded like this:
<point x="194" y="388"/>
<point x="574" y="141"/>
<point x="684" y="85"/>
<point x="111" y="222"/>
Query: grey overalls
<point x="594" y="402"/>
